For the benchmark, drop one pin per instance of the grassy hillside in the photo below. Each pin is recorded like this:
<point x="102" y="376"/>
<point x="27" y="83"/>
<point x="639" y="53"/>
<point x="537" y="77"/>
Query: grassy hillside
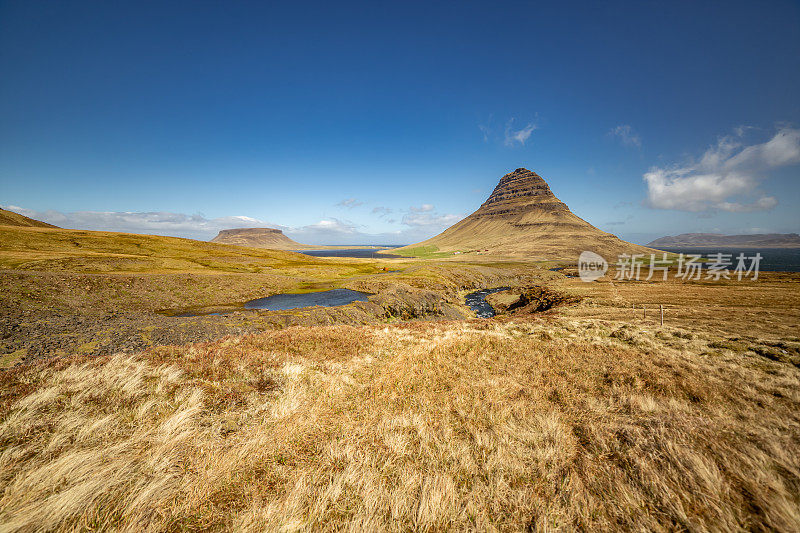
<point x="524" y="425"/>
<point x="46" y="249"/>
<point x="10" y="218"/>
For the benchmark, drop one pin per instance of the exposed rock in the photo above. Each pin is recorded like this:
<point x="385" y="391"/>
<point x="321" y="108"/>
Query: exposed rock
<point x="529" y="300"/>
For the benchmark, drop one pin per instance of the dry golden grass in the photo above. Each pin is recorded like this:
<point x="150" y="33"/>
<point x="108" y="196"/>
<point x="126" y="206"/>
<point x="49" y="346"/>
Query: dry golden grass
<point x="766" y="308"/>
<point x="548" y="425"/>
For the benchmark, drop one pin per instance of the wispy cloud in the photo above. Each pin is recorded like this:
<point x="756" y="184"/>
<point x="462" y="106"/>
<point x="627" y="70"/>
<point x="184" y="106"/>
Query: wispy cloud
<point x="626" y="135"/>
<point x="509" y="136"/>
<point x="430" y="220"/>
<point x="727" y="176"/>
<point x="486" y="129"/>
<point x="382" y="211"/>
<point x="424" y="208"/>
<point x="620" y="222"/>
<point x="519" y="136"/>
<point x="350" y="203"/>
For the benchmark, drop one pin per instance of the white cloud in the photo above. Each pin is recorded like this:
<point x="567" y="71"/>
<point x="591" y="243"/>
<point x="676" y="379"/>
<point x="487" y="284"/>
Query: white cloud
<point x="626" y="135"/>
<point x="727" y="176"/>
<point x="418" y="224"/>
<point x="518" y="136"/>
<point x="326" y="227"/>
<point x="155" y="222"/>
<point x="350" y="203"/>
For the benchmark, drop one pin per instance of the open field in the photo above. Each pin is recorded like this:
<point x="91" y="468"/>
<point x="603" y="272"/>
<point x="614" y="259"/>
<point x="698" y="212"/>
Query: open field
<point x="394" y="414"/>
<point x="68" y="291"/>
<point x="766" y="308"/>
<point x="553" y="424"/>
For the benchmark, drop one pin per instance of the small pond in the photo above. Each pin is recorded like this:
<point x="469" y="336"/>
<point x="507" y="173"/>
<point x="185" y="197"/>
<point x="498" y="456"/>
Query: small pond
<point x="331" y="298"/>
<point x="477" y="302"/>
<point x="280" y="302"/>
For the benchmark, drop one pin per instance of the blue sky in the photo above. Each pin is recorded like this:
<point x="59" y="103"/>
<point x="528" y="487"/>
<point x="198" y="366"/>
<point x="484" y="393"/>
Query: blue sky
<point x="386" y="122"/>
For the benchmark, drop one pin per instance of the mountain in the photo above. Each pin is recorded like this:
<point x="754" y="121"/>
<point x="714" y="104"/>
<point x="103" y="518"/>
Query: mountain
<point x="10" y="218"/>
<point x="273" y="239"/>
<point x="523" y="217"/>
<point x="704" y="240"/>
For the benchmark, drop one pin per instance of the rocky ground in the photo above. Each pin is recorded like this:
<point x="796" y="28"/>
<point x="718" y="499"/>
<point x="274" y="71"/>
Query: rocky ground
<point x="47" y="314"/>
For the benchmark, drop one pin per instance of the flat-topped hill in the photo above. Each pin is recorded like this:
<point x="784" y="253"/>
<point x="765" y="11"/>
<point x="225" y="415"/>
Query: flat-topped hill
<point x="258" y="238"/>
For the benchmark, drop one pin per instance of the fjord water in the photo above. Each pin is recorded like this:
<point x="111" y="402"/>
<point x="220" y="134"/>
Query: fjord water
<point x="363" y="253"/>
<point x="772" y="259"/>
<point x="331" y="298"/>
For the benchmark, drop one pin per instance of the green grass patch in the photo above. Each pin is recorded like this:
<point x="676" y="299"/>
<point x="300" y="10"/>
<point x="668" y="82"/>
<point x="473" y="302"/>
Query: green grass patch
<point x="426" y="252"/>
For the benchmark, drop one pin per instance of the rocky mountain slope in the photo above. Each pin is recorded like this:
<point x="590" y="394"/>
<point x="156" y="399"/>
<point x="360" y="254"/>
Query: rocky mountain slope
<point x="523" y="217"/>
<point x="766" y="240"/>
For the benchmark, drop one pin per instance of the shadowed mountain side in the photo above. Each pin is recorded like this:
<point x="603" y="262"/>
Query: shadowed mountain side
<point x="10" y="218"/>
<point x="523" y="217"/>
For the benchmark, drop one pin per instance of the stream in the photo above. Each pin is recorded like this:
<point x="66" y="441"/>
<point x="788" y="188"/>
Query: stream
<point x="477" y="302"/>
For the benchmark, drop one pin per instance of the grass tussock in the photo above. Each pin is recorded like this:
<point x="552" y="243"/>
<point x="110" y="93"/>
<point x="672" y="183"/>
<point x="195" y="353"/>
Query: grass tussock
<point x="491" y="426"/>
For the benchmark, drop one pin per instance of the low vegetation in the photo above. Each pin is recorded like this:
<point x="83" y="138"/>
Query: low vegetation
<point x="574" y="409"/>
<point x="525" y="424"/>
<point x="69" y="291"/>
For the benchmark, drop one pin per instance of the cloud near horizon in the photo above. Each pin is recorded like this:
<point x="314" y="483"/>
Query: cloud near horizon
<point x="421" y="223"/>
<point x="727" y="176"/>
<point x="195" y="226"/>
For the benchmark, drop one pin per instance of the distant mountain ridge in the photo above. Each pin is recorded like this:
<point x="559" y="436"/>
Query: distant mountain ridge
<point x="702" y="240"/>
<point x="10" y="218"/>
<point x="523" y="217"/>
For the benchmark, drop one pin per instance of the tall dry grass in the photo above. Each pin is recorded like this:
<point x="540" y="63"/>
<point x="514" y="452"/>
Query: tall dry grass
<point x="549" y="426"/>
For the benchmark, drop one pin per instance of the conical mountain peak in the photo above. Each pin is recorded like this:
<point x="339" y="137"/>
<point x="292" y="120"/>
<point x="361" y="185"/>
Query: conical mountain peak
<point x="523" y="217"/>
<point x="519" y="192"/>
